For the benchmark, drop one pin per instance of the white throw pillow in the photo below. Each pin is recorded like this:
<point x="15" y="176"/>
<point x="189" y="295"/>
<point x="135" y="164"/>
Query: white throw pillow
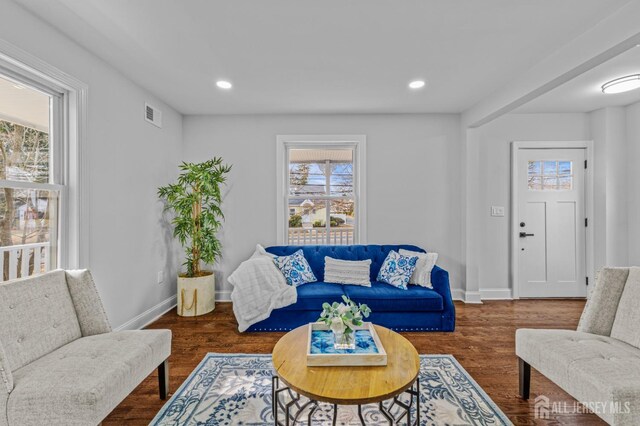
<point x="354" y="272"/>
<point x="422" y="274"/>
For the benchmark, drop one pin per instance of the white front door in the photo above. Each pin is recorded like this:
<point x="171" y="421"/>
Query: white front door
<point x="551" y="229"/>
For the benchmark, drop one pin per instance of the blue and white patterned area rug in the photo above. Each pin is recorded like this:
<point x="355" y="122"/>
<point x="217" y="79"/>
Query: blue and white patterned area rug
<point x="235" y="389"/>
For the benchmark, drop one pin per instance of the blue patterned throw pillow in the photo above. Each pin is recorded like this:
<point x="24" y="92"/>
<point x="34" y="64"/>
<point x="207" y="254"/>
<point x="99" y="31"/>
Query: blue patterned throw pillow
<point x="295" y="269"/>
<point x="397" y="269"/>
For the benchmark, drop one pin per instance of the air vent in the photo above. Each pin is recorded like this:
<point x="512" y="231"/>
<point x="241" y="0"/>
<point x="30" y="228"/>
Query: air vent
<point x="153" y="115"/>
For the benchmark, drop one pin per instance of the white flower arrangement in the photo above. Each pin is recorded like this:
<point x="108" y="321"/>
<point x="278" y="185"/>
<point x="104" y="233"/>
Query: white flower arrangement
<point x="343" y="318"/>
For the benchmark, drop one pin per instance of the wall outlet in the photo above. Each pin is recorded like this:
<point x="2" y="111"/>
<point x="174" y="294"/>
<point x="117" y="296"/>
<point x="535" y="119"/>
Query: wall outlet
<point x="160" y="277"/>
<point x="497" y="211"/>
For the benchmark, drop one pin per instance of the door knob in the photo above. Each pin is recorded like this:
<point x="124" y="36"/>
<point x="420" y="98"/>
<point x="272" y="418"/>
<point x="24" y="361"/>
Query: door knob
<point x="524" y="234"/>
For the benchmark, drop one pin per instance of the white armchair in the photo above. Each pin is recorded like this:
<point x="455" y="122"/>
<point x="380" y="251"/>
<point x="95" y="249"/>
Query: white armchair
<point x="599" y="363"/>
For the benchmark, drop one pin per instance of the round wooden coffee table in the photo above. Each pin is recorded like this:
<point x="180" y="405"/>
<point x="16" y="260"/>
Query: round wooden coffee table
<point x="345" y="385"/>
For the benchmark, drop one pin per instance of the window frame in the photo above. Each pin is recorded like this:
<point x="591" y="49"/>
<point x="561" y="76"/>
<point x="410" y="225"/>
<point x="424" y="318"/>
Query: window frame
<point x="69" y="154"/>
<point x="357" y="143"/>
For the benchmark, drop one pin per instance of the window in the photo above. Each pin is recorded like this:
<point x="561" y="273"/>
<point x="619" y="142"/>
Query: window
<point x="322" y="190"/>
<point x="550" y="175"/>
<point x="31" y="172"/>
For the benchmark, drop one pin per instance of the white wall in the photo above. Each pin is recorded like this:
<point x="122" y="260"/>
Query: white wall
<point x="413" y="181"/>
<point x="608" y="131"/>
<point x="633" y="179"/>
<point x="127" y="159"/>
<point x="490" y="236"/>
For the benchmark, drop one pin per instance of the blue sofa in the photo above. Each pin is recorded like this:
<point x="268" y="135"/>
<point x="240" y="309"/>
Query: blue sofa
<point x="415" y="309"/>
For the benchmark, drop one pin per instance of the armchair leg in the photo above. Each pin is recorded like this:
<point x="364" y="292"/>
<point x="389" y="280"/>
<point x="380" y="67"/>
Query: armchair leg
<point x="524" y="370"/>
<point x="163" y="379"/>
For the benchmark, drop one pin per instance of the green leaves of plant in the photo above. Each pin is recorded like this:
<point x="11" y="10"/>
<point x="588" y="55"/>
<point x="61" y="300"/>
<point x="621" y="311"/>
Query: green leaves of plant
<point x="352" y="316"/>
<point x="195" y="199"/>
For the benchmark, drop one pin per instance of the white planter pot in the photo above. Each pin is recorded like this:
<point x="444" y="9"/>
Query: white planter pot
<point x="196" y="296"/>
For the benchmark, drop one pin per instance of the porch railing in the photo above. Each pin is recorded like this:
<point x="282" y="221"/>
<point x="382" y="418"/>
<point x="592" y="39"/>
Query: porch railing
<point x="24" y="260"/>
<point x="337" y="236"/>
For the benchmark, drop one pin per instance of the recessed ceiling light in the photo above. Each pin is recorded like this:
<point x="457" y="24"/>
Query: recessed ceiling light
<point x="417" y="84"/>
<point x="622" y="84"/>
<point x="224" y="84"/>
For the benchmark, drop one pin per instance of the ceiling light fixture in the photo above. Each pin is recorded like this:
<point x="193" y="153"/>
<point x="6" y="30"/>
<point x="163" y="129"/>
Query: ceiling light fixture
<point x="417" y="84"/>
<point x="223" y="84"/>
<point x="622" y="84"/>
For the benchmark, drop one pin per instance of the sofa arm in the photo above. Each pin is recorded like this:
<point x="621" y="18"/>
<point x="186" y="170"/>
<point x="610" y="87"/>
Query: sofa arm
<point x="440" y="283"/>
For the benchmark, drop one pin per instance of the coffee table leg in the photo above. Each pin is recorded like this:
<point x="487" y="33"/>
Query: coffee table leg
<point x="361" y="416"/>
<point x="418" y="401"/>
<point x="335" y="414"/>
<point x="288" y="409"/>
<point x="274" y="399"/>
<point x="413" y="391"/>
<point x="386" y="414"/>
<point x="312" y="411"/>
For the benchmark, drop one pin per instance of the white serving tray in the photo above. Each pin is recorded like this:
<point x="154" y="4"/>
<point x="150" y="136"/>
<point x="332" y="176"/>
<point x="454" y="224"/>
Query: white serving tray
<point x="352" y="359"/>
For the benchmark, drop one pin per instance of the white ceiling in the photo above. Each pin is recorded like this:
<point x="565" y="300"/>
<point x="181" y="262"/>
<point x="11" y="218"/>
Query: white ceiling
<point x="584" y="93"/>
<point x="22" y="105"/>
<point x="329" y="56"/>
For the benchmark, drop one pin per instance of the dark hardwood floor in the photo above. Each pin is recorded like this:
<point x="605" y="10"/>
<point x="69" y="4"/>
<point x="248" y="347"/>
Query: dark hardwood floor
<point x="484" y="343"/>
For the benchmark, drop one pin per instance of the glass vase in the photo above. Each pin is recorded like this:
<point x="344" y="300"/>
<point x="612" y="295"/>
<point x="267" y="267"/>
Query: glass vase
<point x="344" y="340"/>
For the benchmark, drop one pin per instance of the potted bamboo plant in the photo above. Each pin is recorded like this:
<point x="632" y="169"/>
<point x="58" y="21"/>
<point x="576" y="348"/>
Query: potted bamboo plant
<point x="195" y="200"/>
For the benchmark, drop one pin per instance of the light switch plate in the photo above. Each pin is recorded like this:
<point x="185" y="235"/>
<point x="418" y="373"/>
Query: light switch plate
<point x="497" y="211"/>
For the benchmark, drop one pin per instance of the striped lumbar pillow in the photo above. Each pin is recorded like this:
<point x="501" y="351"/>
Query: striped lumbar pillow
<point x="354" y="272"/>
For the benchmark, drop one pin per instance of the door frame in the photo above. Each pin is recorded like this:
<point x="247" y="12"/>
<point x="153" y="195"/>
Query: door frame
<point x="516" y="146"/>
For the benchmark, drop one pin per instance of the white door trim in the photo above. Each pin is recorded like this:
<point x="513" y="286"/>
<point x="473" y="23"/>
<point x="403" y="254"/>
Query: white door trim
<point x="589" y="207"/>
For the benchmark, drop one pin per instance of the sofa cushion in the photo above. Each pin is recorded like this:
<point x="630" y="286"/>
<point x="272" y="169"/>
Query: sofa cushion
<point x="37" y="317"/>
<point x="397" y="269"/>
<point x="590" y="367"/>
<point x="81" y="382"/>
<point x="381" y="297"/>
<point x="86" y="301"/>
<point x="295" y="269"/>
<point x="315" y="255"/>
<point x="422" y="274"/>
<point x="340" y="271"/>
<point x="311" y="296"/>
<point x="625" y="326"/>
<point x="600" y="311"/>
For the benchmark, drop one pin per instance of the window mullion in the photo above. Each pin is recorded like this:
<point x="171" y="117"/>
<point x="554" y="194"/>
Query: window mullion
<point x="327" y="191"/>
<point x="17" y="184"/>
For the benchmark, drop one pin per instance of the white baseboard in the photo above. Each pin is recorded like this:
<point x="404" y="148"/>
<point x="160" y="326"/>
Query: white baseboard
<point x="496" y="294"/>
<point x="457" y="294"/>
<point x="150" y="315"/>
<point x="466" y="296"/>
<point x="472" y="297"/>
<point x="223" y="296"/>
